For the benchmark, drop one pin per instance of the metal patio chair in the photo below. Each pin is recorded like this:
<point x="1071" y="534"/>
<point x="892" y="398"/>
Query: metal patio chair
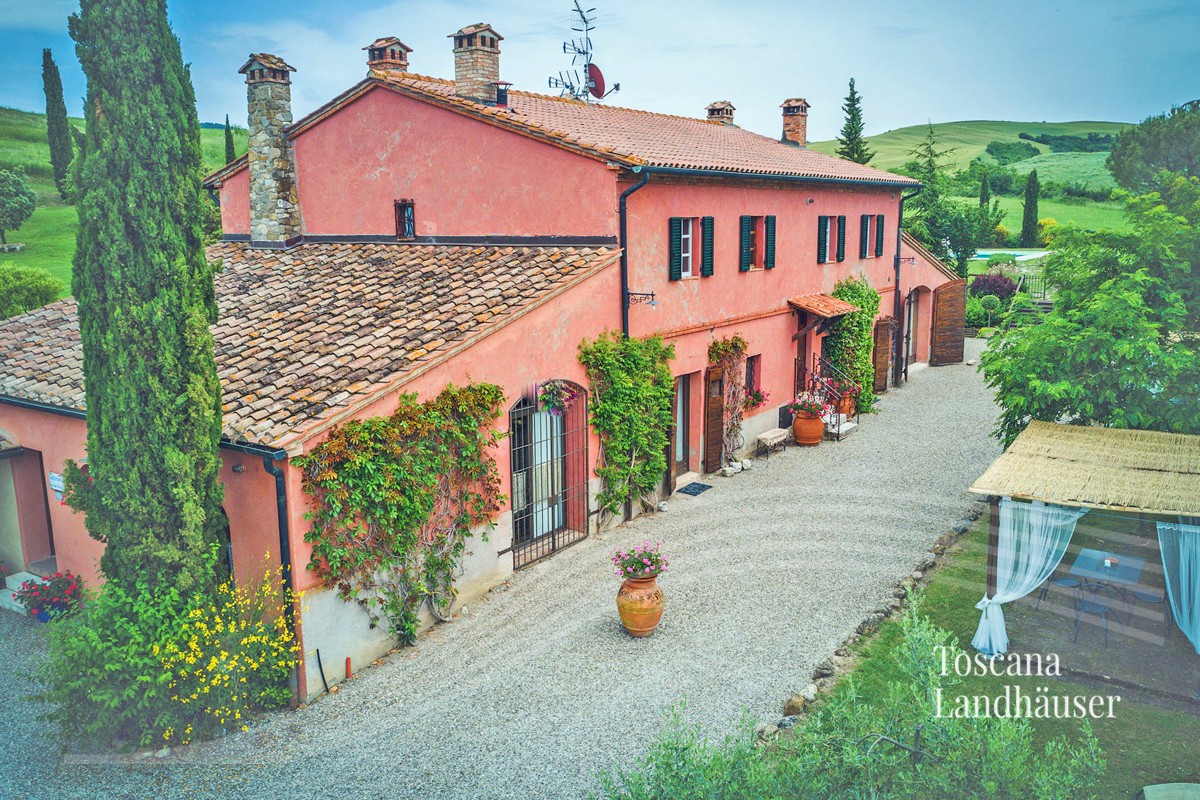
<point x="1151" y="599"/>
<point x="1062" y="581"/>
<point x="1096" y="599"/>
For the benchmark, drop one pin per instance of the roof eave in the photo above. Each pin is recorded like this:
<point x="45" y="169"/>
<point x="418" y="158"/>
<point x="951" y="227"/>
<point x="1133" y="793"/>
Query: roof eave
<point x="776" y="176"/>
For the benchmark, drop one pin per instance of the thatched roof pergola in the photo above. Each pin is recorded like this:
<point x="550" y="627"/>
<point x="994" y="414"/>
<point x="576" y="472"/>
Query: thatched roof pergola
<point x="1140" y="472"/>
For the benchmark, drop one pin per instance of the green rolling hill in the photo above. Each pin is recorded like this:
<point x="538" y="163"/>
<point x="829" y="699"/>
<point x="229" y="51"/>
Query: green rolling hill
<point x="969" y="139"/>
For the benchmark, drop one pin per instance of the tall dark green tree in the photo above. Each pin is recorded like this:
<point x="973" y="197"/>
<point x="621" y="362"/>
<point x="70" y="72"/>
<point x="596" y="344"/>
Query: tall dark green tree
<point x="230" y="151"/>
<point x="1029" y="221"/>
<point x="1168" y="141"/>
<point x="985" y="192"/>
<point x="57" y="128"/>
<point x="851" y="144"/>
<point x="146" y="301"/>
<point x="18" y="201"/>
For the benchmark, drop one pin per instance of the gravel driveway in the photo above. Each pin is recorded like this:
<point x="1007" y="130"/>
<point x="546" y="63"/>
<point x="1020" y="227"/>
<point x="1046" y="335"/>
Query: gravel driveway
<point x="529" y="693"/>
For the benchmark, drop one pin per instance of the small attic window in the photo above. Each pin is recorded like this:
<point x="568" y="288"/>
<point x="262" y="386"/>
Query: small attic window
<point x="406" y="222"/>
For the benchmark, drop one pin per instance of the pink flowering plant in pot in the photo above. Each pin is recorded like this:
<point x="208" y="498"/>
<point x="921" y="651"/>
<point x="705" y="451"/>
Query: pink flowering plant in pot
<point x="640" y="601"/>
<point x="556" y="396"/>
<point x="59" y="596"/>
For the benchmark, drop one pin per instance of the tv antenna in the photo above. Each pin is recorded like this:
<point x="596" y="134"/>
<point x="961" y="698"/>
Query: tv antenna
<point x="584" y="81"/>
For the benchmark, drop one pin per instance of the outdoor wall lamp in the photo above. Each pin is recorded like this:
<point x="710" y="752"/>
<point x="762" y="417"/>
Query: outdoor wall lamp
<point x="810" y="201"/>
<point x="634" y="298"/>
<point x="239" y="468"/>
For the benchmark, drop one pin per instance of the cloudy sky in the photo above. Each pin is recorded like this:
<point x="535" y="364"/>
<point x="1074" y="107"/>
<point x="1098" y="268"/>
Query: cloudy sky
<point x="938" y="60"/>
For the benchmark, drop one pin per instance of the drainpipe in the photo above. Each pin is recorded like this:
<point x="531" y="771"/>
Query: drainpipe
<point x="285" y="551"/>
<point x="621" y="213"/>
<point x="898" y="356"/>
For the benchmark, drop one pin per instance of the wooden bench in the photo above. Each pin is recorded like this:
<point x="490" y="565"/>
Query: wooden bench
<point x="776" y="438"/>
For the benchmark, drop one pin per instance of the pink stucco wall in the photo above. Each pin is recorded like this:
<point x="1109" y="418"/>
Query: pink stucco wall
<point x="249" y="498"/>
<point x="467" y="177"/>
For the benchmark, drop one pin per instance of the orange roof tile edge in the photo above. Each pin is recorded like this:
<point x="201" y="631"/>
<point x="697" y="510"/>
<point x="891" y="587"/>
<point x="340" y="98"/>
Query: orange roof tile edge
<point x="823" y="305"/>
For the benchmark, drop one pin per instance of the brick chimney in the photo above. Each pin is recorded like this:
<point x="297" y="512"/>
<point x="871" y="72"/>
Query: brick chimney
<point x="274" y="212"/>
<point x="795" y="122"/>
<point x="720" y="111"/>
<point x="388" y="53"/>
<point x="477" y="62"/>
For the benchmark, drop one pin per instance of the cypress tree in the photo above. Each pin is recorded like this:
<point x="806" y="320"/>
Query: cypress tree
<point x="146" y="301"/>
<point x="1029" y="222"/>
<point x="851" y="144"/>
<point x="57" y="128"/>
<point x="230" y="152"/>
<point x="985" y="192"/>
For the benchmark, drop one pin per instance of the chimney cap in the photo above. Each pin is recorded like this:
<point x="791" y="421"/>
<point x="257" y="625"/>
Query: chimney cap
<point x="388" y="41"/>
<point x="266" y="61"/>
<point x="720" y="104"/>
<point x="798" y="103"/>
<point x="478" y="27"/>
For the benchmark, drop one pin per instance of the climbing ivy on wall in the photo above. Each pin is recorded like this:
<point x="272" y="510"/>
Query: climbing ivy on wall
<point x="730" y="355"/>
<point x="631" y="389"/>
<point x="851" y="338"/>
<point x="394" y="498"/>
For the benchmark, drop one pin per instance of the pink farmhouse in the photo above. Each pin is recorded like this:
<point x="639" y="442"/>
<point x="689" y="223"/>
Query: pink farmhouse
<point x="415" y="232"/>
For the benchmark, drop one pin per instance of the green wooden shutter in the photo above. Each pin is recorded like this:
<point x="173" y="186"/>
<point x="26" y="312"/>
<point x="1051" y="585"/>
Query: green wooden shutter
<point x="706" y="246"/>
<point x="676" y="269"/>
<point x="747" y="226"/>
<point x="841" y="240"/>
<point x="769" y="237"/>
<point x="879" y="235"/>
<point x="864" y="246"/>
<point x="822" y="239"/>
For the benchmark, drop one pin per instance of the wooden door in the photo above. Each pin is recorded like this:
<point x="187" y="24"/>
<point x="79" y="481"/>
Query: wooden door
<point x="682" y="432"/>
<point x="882" y="357"/>
<point x="949" y="323"/>
<point x="714" y="418"/>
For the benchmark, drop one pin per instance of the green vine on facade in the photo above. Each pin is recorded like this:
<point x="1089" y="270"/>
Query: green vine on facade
<point x="631" y="390"/>
<point x="394" y="499"/>
<point x="851" y="339"/>
<point x="730" y="355"/>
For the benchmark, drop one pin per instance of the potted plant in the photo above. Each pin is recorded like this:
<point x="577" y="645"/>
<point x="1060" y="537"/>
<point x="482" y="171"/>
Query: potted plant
<point x="807" y="424"/>
<point x="639" y="600"/>
<point x="556" y="396"/>
<point x="755" y="397"/>
<point x="848" y="393"/>
<point x="58" y="596"/>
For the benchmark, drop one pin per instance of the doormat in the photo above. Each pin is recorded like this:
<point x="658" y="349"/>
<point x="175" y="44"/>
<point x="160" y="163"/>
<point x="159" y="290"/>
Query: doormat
<point x="695" y="488"/>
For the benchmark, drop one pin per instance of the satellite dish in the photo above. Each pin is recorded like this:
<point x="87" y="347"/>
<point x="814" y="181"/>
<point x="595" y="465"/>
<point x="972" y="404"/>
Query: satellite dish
<point x="596" y="79"/>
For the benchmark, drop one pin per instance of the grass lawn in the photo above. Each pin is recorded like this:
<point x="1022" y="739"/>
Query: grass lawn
<point x="969" y="139"/>
<point x="49" y="238"/>
<point x="1088" y="215"/>
<point x="1142" y="744"/>
<point x="1082" y="169"/>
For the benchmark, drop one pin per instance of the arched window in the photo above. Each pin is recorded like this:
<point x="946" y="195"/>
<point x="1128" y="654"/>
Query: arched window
<point x="549" y="476"/>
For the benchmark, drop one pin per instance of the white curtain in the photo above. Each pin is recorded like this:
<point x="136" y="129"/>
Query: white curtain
<point x="1032" y="540"/>
<point x="1180" y="548"/>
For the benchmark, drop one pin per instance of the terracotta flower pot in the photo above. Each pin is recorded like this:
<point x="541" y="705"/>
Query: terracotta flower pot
<point x="640" y="604"/>
<point x="808" y="429"/>
<point x="846" y="405"/>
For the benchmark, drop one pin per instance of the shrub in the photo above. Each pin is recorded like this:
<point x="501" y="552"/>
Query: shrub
<point x="25" y="288"/>
<point x="999" y="285"/>
<point x="147" y="665"/>
<point x="997" y="259"/>
<point x="1045" y="229"/>
<point x="1010" y="152"/>
<point x="1000" y="236"/>
<point x="976" y="316"/>
<point x="852" y="337"/>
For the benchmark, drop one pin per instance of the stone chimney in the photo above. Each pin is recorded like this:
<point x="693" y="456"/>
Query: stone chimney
<point x="720" y="111"/>
<point x="795" y="122"/>
<point x="388" y="53"/>
<point x="274" y="212"/>
<point x="477" y="62"/>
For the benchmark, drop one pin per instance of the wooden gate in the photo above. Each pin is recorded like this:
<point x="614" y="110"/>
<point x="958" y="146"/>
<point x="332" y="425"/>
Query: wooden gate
<point x="882" y="356"/>
<point x="714" y="418"/>
<point x="949" y="321"/>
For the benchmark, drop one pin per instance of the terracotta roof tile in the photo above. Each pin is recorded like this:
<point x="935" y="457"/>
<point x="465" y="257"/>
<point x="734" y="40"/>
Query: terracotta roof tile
<point x="305" y="331"/>
<point x="821" y="305"/>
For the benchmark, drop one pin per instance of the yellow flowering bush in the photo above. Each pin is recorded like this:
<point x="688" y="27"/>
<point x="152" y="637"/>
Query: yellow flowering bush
<point x="233" y="653"/>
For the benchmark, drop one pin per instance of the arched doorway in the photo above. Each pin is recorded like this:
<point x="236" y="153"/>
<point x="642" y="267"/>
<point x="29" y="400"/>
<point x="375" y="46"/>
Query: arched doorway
<point x="549" y="478"/>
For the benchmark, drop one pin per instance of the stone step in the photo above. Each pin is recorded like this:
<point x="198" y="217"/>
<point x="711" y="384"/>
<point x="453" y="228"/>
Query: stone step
<point x="7" y="601"/>
<point x="15" y="580"/>
<point x="835" y="434"/>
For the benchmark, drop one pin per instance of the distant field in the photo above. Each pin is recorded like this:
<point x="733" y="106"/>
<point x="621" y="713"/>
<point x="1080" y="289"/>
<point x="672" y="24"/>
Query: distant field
<point x="1092" y="216"/>
<point x="49" y="235"/>
<point x="970" y="139"/>
<point x="1082" y="169"/>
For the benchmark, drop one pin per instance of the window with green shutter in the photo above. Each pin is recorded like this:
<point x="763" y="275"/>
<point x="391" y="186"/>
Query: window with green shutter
<point x="706" y="246"/>
<point x="841" y="238"/>
<point x="822" y="239"/>
<point x="769" y="242"/>
<point x="676" y="248"/>
<point x="747" y="244"/>
<point x="879" y="235"/>
<point x="864" y="236"/>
